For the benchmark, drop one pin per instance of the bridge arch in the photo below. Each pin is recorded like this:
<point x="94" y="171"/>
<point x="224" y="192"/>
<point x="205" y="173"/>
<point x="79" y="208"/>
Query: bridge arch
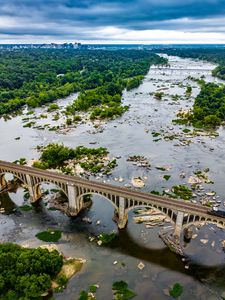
<point x="168" y="213"/>
<point x="19" y="176"/>
<point x="204" y="222"/>
<point x="103" y="195"/>
<point x="37" y="187"/>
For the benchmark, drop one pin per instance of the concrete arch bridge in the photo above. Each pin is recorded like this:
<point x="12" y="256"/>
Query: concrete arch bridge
<point x="180" y="213"/>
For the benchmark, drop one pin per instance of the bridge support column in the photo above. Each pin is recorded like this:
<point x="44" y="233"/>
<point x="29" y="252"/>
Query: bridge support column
<point x="178" y="225"/>
<point x="34" y="195"/>
<point x="3" y="182"/>
<point x="74" y="206"/>
<point x="122" y="214"/>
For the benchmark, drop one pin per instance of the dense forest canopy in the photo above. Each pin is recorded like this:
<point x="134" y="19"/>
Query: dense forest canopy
<point x="209" y="106"/>
<point x="38" y="76"/>
<point x="27" y="273"/>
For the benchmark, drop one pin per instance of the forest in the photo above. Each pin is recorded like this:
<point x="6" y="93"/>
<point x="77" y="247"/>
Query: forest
<point x="27" y="273"/>
<point x="35" y="77"/>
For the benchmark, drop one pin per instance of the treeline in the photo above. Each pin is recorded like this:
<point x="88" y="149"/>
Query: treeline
<point x="38" y="76"/>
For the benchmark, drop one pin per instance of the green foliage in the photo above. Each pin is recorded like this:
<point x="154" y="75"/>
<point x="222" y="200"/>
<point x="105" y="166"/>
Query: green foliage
<point x="53" y="106"/>
<point x="62" y="280"/>
<point x="55" y="156"/>
<point x="26" y="207"/>
<point x="83" y="295"/>
<point x="209" y="107"/>
<point x="134" y="82"/>
<point x="176" y="291"/>
<point x="158" y="95"/>
<point x="182" y="191"/>
<point x="30" y="76"/>
<point x="106" y="238"/>
<point x="188" y="91"/>
<point x="121" y="291"/>
<point x="27" y="273"/>
<point x="49" y="235"/>
<point x="166" y="177"/>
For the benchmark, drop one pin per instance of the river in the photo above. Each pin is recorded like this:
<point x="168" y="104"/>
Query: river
<point x="204" y="274"/>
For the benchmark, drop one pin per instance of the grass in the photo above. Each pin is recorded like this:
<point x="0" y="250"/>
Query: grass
<point x="49" y="235"/>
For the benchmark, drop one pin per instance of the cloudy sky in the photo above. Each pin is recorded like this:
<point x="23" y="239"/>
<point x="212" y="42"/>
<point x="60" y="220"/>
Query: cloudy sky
<point x="116" y="21"/>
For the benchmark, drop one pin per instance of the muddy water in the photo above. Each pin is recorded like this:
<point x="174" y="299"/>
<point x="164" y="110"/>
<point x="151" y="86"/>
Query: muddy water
<point x="130" y="135"/>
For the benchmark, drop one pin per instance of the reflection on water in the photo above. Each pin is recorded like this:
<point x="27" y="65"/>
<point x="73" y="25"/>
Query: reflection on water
<point x="129" y="135"/>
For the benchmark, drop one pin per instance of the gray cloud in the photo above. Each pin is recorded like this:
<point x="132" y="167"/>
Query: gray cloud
<point x="84" y="19"/>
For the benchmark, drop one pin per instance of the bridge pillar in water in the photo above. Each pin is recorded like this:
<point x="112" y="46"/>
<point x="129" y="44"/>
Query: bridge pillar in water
<point x="3" y="182"/>
<point x="122" y="214"/>
<point x="74" y="206"/>
<point x="178" y="225"/>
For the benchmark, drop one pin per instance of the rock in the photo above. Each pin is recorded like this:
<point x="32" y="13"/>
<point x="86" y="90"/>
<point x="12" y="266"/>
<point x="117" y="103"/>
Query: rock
<point x="115" y="262"/>
<point x="194" y="236"/>
<point x="141" y="266"/>
<point x="223" y="243"/>
<point x="150" y="218"/>
<point x="120" y="179"/>
<point x="210" y="194"/>
<point x="86" y="220"/>
<point x="137" y="182"/>
<point x="182" y="175"/>
<point x="166" y="292"/>
<point x="188" y="233"/>
<point x="99" y="243"/>
<point x="204" y="241"/>
<point x="194" y="180"/>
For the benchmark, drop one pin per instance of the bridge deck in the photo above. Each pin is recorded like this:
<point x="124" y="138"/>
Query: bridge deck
<point x="108" y="188"/>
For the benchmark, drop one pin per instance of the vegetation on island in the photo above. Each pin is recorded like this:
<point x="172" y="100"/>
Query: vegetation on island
<point x="27" y="273"/>
<point x="121" y="291"/>
<point x="176" y="291"/>
<point x="58" y="156"/>
<point x="35" y="77"/>
<point x="209" y="107"/>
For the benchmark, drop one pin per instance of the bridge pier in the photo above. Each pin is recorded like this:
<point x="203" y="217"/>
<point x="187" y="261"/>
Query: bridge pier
<point x="34" y="191"/>
<point x="122" y="214"/>
<point x="178" y="225"/>
<point x="74" y="205"/>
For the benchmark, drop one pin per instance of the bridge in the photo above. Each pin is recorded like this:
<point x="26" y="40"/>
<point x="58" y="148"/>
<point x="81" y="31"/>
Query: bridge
<point x="181" y="213"/>
<point x="168" y="70"/>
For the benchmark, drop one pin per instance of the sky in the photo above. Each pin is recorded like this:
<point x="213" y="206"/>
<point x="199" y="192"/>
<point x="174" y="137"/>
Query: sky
<point x="115" y="22"/>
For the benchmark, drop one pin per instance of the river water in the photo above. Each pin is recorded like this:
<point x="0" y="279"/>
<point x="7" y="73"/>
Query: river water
<point x="204" y="274"/>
